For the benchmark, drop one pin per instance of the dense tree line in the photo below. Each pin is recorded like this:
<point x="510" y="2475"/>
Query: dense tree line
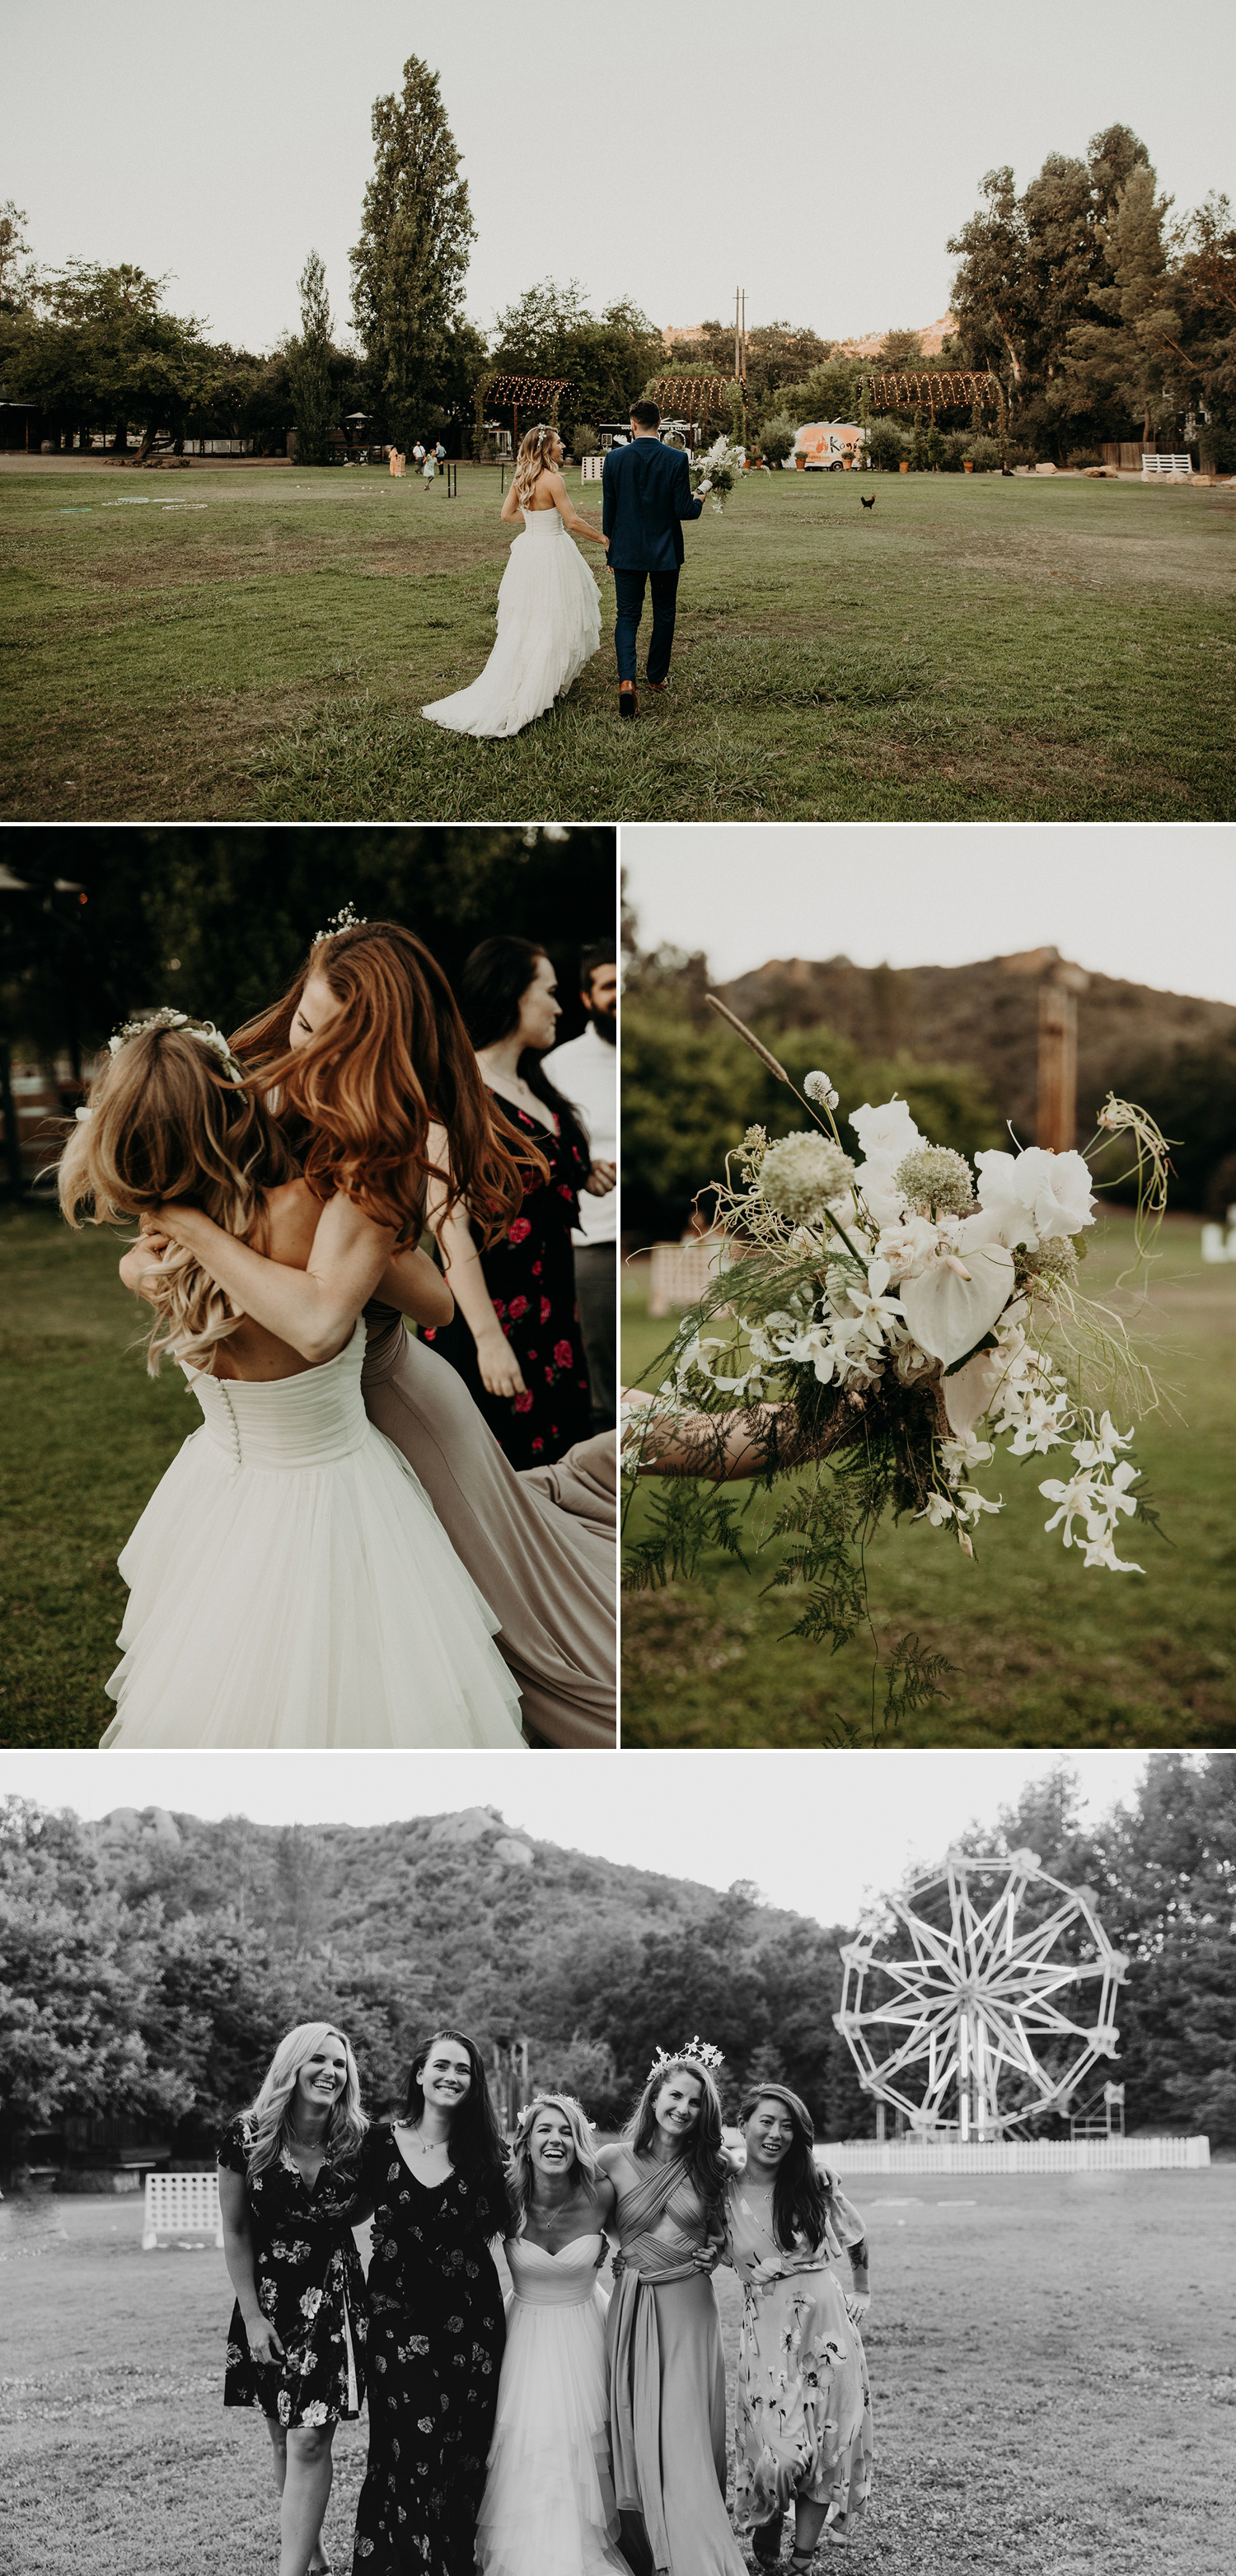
<point x="216" y="922"/>
<point x="150" y="1978"/>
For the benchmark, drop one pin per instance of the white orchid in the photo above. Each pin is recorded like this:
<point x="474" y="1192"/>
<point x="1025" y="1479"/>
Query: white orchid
<point x="966" y="1450"/>
<point x="1101" y="1451"/>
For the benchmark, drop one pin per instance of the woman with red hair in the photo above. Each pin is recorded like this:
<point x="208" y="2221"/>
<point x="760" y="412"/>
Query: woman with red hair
<point x="379" y="1094"/>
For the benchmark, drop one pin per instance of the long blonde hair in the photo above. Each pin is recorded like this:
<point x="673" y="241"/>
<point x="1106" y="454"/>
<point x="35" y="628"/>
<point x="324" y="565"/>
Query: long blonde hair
<point x="165" y="1120"/>
<point x="267" y="2120"/>
<point x="531" y="460"/>
<point x="519" y="2170"/>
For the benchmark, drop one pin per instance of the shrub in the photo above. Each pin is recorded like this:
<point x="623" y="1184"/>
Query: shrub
<point x="776" y="439"/>
<point x="885" y="446"/>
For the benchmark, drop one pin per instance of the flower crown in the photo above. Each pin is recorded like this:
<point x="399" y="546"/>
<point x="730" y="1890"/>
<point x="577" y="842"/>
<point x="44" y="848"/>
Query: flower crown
<point x="204" y="1029"/>
<point x="698" y="2052"/>
<point x="345" y="920"/>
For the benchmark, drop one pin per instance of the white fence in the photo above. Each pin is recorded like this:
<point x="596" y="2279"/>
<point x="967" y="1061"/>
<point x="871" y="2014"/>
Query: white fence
<point x="1019" y="2155"/>
<point x="181" y="2204"/>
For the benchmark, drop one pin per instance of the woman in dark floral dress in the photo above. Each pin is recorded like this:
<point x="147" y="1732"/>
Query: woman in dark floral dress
<point x="516" y="1338"/>
<point x="434" y="2181"/>
<point x="288" y="2182"/>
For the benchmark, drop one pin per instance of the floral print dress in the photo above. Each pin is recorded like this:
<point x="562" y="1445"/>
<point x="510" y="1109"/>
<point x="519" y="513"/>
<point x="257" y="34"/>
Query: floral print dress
<point x="310" y="2285"/>
<point x="530" y="1276"/>
<point x="435" y="2352"/>
<point x="803" y="2416"/>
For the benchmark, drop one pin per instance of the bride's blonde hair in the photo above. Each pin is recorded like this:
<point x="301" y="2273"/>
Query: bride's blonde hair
<point x="165" y="1120"/>
<point x="533" y="454"/>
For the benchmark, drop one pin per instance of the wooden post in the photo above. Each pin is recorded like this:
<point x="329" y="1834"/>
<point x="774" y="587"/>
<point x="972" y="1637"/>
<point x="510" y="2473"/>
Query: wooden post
<point x="1056" y="1124"/>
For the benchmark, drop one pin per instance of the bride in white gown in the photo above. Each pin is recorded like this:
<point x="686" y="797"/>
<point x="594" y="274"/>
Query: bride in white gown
<point x="549" y="2506"/>
<point x="290" y="1584"/>
<point x="549" y="607"/>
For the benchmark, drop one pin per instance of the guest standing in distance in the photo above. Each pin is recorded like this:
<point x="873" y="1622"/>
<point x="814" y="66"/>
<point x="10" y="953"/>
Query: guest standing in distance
<point x="549" y="2505"/>
<point x="516" y="1337"/>
<point x="434" y="2183"/>
<point x="287" y="2185"/>
<point x="803" y="2418"/>
<point x="663" y="2337"/>
<point x="586" y="1069"/>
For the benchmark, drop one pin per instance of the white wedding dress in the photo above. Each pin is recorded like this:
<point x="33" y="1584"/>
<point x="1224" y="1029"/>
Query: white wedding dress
<point x="291" y="1585"/>
<point x="549" y="2507"/>
<point x="549" y="625"/>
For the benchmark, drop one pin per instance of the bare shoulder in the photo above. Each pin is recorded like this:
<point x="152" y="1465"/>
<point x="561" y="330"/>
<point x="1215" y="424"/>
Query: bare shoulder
<point x="292" y="1216"/>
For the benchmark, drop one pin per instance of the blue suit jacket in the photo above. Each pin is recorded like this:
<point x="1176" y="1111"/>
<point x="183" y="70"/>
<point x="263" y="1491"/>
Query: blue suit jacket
<point x="645" y="495"/>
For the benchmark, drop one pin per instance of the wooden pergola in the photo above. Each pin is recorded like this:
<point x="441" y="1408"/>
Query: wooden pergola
<point x="950" y="388"/>
<point x="529" y="393"/>
<point x="702" y="394"/>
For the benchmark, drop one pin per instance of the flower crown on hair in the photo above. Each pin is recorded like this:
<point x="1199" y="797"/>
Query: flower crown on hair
<point x="698" y="2052"/>
<point x="204" y="1029"/>
<point x="345" y="920"/>
<point x="539" y="2102"/>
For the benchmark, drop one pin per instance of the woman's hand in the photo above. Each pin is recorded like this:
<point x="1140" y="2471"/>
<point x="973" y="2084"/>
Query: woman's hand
<point x="500" y="1370"/>
<point x="602" y="1178"/>
<point x="264" y="2345"/>
<point x="857" y="2305"/>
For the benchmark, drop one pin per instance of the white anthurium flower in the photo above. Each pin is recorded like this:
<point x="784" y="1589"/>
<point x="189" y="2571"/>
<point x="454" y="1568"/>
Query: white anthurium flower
<point x="950" y="1307"/>
<point x="971" y="1393"/>
<point x="1035" y="1196"/>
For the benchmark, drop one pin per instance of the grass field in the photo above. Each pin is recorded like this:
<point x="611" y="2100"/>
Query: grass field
<point x="1051" y="2367"/>
<point x="256" y="645"/>
<point x="1045" y="1652"/>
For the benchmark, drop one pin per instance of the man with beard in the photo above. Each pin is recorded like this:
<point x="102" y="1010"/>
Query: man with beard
<point x="585" y="1070"/>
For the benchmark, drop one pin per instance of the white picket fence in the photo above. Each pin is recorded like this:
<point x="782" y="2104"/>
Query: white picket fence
<point x="181" y="2204"/>
<point x="1020" y="2155"/>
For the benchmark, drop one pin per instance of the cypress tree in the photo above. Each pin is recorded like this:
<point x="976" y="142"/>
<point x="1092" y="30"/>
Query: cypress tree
<point x="309" y="365"/>
<point x="409" y="265"/>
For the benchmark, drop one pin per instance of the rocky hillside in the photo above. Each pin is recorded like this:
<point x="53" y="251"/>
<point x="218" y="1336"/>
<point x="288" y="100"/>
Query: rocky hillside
<point x="985" y="1016"/>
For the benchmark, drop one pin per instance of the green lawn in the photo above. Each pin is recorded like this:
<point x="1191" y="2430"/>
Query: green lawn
<point x="256" y="645"/>
<point x="87" y="1437"/>
<point x="1045" y="1652"/>
<point x="1050" y="2360"/>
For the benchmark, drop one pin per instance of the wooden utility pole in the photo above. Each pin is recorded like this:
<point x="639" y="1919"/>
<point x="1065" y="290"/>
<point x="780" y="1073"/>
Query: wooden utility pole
<point x="1056" y="1122"/>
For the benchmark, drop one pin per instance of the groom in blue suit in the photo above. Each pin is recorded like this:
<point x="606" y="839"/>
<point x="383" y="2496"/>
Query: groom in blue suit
<point x="645" y="496"/>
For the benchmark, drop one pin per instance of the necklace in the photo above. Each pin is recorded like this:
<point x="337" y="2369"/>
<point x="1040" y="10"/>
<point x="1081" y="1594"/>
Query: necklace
<point x="411" y="2129"/>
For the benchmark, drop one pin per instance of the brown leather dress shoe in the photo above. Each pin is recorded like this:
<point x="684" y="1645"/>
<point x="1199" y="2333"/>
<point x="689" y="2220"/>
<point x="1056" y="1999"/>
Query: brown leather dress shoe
<point x="656" y="684"/>
<point x="628" y="702"/>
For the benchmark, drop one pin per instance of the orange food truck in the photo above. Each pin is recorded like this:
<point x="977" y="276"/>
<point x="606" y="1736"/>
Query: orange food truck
<point x="828" y="447"/>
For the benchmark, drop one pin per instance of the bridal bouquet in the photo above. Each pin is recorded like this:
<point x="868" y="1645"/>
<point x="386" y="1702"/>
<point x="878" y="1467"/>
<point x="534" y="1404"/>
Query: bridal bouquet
<point x="907" y="1319"/>
<point x="717" y="470"/>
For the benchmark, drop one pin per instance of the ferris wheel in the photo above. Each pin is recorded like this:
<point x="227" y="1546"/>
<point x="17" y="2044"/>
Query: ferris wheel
<point x="980" y="1995"/>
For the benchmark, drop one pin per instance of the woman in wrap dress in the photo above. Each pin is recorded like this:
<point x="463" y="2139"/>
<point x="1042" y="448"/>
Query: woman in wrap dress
<point x="803" y="2418"/>
<point x="663" y="2338"/>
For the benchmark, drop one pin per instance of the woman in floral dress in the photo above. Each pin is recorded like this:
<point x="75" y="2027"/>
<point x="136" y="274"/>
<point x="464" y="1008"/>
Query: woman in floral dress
<point x="803" y="2424"/>
<point x="434" y="2182"/>
<point x="287" y="2186"/>
<point x="516" y="1338"/>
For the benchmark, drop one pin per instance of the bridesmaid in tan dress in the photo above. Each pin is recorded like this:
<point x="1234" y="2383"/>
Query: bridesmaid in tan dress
<point x="666" y="2371"/>
<point x="803" y="2423"/>
<point x="365" y="1039"/>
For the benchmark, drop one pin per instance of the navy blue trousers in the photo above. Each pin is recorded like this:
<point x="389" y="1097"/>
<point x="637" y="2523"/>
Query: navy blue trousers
<point x="629" y="588"/>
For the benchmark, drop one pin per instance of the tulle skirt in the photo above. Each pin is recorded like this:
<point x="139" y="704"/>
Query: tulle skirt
<point x="549" y="2505"/>
<point x="310" y="1605"/>
<point x="549" y="625"/>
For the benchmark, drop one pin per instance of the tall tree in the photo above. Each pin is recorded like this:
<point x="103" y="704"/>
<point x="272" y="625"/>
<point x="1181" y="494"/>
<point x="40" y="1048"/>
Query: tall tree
<point x="309" y="359"/>
<point x="1128" y="358"/>
<point x="409" y="265"/>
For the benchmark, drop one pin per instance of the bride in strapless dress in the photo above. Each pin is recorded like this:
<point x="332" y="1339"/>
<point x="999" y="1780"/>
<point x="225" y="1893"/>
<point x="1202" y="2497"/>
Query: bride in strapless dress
<point x="290" y="1584"/>
<point x="549" y="2507"/>
<point x="549" y="607"/>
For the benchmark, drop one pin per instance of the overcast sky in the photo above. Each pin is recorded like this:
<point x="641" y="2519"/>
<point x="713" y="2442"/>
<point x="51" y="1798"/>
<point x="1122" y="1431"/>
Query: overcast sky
<point x="819" y="157"/>
<point x="1151" y="902"/>
<point x="819" y="1832"/>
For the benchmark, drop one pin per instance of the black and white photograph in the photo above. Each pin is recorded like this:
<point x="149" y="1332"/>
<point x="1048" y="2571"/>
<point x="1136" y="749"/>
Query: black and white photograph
<point x="691" y="2161"/>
